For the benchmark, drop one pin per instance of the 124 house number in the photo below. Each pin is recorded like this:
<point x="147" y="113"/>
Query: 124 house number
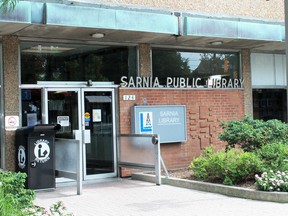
<point x="129" y="97"/>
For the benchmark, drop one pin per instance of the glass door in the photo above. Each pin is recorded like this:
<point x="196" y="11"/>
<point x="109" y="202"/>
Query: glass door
<point x="86" y="114"/>
<point x="63" y="108"/>
<point x="99" y="126"/>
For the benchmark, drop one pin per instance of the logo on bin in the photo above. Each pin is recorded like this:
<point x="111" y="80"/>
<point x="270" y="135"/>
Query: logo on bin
<point x="21" y="157"/>
<point x="41" y="151"/>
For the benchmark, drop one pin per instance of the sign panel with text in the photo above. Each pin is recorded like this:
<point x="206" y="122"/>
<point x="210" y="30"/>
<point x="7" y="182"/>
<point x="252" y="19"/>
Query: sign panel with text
<point x="169" y="121"/>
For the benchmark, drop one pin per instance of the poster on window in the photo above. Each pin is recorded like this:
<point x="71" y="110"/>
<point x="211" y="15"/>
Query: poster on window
<point x="31" y="119"/>
<point x="63" y="121"/>
<point x="96" y="115"/>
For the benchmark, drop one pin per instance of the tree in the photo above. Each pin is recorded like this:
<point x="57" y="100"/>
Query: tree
<point x="216" y="64"/>
<point x="169" y="64"/>
<point x="8" y="5"/>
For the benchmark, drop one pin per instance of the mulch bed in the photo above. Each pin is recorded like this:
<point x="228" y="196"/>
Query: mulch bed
<point x="187" y="174"/>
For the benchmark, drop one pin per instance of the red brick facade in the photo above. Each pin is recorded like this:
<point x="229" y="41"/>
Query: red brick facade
<point x="205" y="109"/>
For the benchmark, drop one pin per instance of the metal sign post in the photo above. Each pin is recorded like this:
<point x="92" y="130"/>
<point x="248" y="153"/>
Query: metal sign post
<point x="79" y="169"/>
<point x="156" y="142"/>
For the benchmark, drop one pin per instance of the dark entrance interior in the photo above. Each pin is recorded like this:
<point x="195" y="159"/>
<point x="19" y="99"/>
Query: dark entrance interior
<point x="270" y="104"/>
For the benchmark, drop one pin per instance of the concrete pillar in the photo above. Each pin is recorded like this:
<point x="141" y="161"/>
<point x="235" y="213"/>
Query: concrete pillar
<point x="11" y="94"/>
<point x="246" y="69"/>
<point x="145" y="63"/>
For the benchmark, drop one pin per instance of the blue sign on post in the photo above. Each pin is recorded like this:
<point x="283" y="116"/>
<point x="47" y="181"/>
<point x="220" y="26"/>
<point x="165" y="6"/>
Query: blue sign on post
<point x="169" y="121"/>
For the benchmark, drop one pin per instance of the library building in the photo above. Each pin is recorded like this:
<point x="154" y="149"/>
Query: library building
<point x="81" y="79"/>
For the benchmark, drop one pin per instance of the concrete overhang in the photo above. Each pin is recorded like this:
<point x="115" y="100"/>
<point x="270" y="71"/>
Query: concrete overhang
<point x="138" y="25"/>
<point x="114" y="19"/>
<point x="20" y="18"/>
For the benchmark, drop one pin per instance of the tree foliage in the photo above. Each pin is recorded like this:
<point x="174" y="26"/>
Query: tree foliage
<point x="8" y="5"/>
<point x="170" y="64"/>
<point x="216" y="64"/>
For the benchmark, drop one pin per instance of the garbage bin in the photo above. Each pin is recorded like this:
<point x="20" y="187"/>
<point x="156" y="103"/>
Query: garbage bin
<point x="35" y="155"/>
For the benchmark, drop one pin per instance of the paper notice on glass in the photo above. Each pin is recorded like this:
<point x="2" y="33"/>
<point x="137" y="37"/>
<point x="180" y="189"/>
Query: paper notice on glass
<point x="96" y="115"/>
<point x="31" y="119"/>
<point x="63" y="121"/>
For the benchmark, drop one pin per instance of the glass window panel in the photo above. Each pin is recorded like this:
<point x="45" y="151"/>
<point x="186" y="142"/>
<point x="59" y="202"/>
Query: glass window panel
<point x="64" y="104"/>
<point x="31" y="107"/>
<point x="270" y="104"/>
<point x="137" y="150"/>
<point x="173" y="63"/>
<point x="69" y="62"/>
<point x="99" y="152"/>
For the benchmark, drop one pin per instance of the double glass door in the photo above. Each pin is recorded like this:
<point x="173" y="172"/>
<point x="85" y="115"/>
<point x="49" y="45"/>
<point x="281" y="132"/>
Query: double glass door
<point x="88" y="115"/>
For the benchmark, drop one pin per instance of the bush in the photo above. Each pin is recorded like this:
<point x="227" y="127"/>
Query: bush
<point x="209" y="166"/>
<point x="17" y="201"/>
<point x="274" y="156"/>
<point x="7" y="204"/>
<point x="251" y="134"/>
<point x="14" y="193"/>
<point x="231" y="167"/>
<point x="271" y="181"/>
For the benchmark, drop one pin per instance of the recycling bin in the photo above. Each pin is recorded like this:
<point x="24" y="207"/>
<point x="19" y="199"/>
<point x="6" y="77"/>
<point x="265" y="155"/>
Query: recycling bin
<point x="35" y="155"/>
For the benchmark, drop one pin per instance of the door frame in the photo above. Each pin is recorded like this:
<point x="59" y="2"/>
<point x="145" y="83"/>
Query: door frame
<point x="81" y="89"/>
<point x="112" y="91"/>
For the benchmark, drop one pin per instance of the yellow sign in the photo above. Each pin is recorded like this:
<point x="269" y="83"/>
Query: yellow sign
<point x="87" y="115"/>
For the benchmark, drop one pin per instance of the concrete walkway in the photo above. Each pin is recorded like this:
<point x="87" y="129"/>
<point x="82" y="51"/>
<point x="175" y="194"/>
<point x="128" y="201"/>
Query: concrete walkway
<point x="136" y="198"/>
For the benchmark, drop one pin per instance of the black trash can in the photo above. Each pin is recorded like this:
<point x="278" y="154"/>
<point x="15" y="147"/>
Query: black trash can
<point x="35" y="155"/>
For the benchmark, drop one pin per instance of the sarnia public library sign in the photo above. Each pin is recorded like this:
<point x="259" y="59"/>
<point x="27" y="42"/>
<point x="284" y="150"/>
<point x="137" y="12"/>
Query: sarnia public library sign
<point x="181" y="82"/>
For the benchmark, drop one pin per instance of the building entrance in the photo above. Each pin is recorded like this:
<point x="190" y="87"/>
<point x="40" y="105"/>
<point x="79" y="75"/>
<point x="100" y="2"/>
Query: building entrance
<point x="88" y="115"/>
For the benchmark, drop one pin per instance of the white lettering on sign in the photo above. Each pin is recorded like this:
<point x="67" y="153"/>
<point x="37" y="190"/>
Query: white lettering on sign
<point x="223" y="83"/>
<point x="42" y="151"/>
<point x="129" y="97"/>
<point x="169" y="118"/>
<point x="181" y="82"/>
<point x="168" y="113"/>
<point x="140" y="82"/>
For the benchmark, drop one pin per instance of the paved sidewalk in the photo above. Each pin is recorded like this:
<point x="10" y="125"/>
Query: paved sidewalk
<point x="125" y="197"/>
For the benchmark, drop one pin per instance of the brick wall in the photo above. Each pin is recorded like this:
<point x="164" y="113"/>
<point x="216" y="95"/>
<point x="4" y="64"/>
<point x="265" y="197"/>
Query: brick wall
<point x="205" y="109"/>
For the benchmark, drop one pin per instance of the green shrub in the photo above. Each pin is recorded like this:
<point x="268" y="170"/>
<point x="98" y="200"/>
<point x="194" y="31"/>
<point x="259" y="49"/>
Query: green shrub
<point x="14" y="192"/>
<point x="17" y="201"/>
<point x="274" y="156"/>
<point x="209" y="166"/>
<point x="231" y="167"/>
<point x="251" y="134"/>
<point x="272" y="181"/>
<point x="7" y="207"/>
